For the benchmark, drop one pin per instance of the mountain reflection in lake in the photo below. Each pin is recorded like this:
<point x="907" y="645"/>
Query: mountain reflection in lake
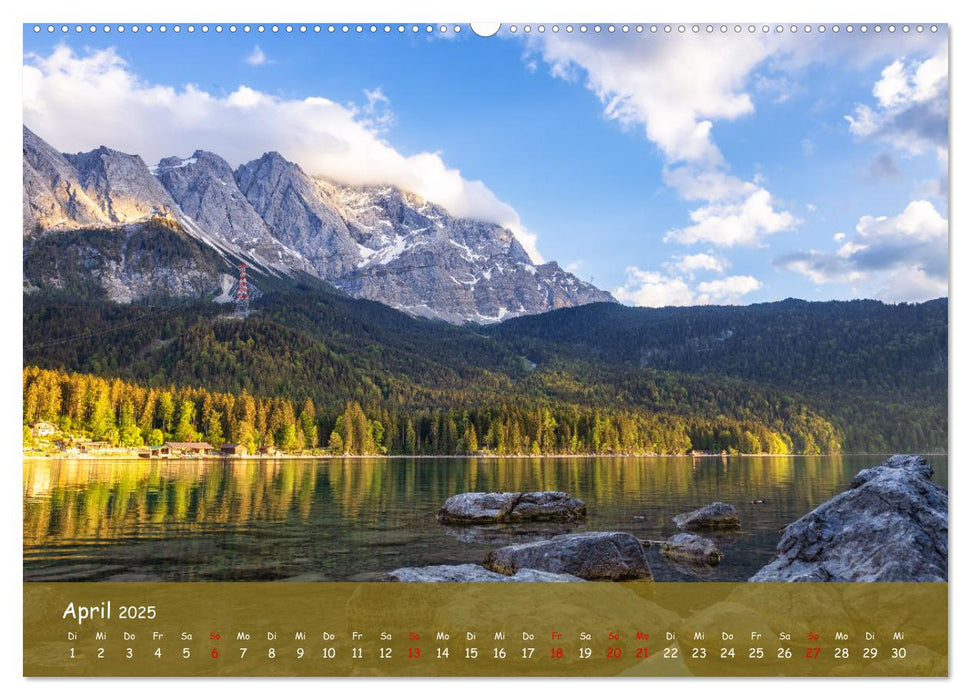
<point x="352" y="519"/>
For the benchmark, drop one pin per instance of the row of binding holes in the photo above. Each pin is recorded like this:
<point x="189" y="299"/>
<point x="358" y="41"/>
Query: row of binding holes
<point x="260" y="28"/>
<point x="455" y="29"/>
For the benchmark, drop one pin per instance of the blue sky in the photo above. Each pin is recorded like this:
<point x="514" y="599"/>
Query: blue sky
<point x="669" y="169"/>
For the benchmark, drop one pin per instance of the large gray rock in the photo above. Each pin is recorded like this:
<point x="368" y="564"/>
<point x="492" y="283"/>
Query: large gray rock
<point x="473" y="573"/>
<point x="716" y="516"/>
<point x="612" y="556"/>
<point x="691" y="549"/>
<point x="891" y="525"/>
<point x="537" y="506"/>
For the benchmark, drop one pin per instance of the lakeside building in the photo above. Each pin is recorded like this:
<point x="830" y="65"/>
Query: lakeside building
<point x="234" y="449"/>
<point x="194" y="449"/>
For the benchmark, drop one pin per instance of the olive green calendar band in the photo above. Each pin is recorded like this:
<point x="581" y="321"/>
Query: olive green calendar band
<point x="517" y="629"/>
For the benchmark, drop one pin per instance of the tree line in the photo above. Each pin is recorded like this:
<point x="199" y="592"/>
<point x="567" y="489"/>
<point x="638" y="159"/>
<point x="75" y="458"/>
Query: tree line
<point x="129" y="414"/>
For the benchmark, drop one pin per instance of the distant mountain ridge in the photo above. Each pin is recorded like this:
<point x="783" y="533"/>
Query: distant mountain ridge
<point x="373" y="242"/>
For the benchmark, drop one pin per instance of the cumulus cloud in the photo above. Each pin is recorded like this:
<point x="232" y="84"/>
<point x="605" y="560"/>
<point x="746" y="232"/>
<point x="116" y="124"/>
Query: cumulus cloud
<point x="911" y="106"/>
<point x="256" y="57"/>
<point x="78" y="102"/>
<point x="732" y="222"/>
<point x="697" y="262"/>
<point x="727" y="290"/>
<point x="675" y="88"/>
<point x="650" y="288"/>
<point x="895" y="258"/>
<point x="646" y="288"/>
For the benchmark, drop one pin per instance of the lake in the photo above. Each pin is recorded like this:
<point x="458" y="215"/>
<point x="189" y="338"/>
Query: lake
<point x="354" y="519"/>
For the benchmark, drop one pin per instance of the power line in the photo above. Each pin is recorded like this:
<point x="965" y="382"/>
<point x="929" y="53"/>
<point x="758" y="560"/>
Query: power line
<point x="105" y="331"/>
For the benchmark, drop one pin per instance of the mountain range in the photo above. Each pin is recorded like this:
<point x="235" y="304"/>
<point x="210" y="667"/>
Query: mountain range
<point x="105" y="224"/>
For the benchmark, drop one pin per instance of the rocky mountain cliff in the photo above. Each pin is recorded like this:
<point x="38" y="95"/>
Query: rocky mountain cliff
<point x="375" y="242"/>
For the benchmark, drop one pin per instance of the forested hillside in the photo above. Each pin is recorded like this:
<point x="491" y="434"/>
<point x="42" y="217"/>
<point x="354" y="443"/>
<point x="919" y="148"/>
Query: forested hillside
<point x="788" y="377"/>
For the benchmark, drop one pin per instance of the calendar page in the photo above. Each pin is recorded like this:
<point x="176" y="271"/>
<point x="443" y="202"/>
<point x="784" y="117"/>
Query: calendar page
<point x="448" y="349"/>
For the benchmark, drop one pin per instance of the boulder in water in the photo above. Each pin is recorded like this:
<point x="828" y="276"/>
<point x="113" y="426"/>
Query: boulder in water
<point x="691" y="549"/>
<point x="611" y="556"/>
<point x="536" y="506"/>
<point x="716" y="516"/>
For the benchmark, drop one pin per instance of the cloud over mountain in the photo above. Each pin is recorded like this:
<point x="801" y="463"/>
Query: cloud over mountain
<point x="75" y="100"/>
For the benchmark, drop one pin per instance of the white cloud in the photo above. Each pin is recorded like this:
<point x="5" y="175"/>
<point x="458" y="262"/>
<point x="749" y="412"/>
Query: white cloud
<point x="644" y="288"/>
<point x="911" y="108"/>
<point x="894" y="258"/>
<point x="257" y="57"/>
<point x="79" y="102"/>
<point x="649" y="288"/>
<point x="573" y="267"/>
<point x="910" y="283"/>
<point x="780" y="87"/>
<point x="672" y="86"/>
<point x="675" y="88"/>
<point x="727" y="290"/>
<point x="696" y="184"/>
<point x="377" y="111"/>
<point x="696" y="262"/>
<point x="733" y="222"/>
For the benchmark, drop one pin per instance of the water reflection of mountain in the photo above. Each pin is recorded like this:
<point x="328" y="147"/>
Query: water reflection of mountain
<point x="313" y="511"/>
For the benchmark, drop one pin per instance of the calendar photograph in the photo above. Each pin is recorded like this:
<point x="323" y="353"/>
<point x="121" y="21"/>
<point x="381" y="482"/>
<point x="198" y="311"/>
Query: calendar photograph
<point x="328" y="328"/>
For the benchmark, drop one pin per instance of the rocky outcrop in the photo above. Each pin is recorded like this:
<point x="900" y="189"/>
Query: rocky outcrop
<point x="537" y="506"/>
<point x="299" y="212"/>
<point x="716" y="516"/>
<point x="691" y="549"/>
<point x="204" y="186"/>
<point x="53" y="195"/>
<point x="891" y="525"/>
<point x="594" y="556"/>
<point x="473" y="573"/>
<point x="122" y="186"/>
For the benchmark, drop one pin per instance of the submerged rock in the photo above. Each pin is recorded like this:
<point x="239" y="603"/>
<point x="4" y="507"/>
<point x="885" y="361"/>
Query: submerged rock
<point x="482" y="508"/>
<point x="612" y="556"/>
<point x="716" y="516"/>
<point x="692" y="550"/>
<point x="473" y="573"/>
<point x="891" y="525"/>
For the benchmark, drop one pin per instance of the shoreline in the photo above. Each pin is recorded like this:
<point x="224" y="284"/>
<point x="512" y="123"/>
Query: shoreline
<point x="221" y="458"/>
